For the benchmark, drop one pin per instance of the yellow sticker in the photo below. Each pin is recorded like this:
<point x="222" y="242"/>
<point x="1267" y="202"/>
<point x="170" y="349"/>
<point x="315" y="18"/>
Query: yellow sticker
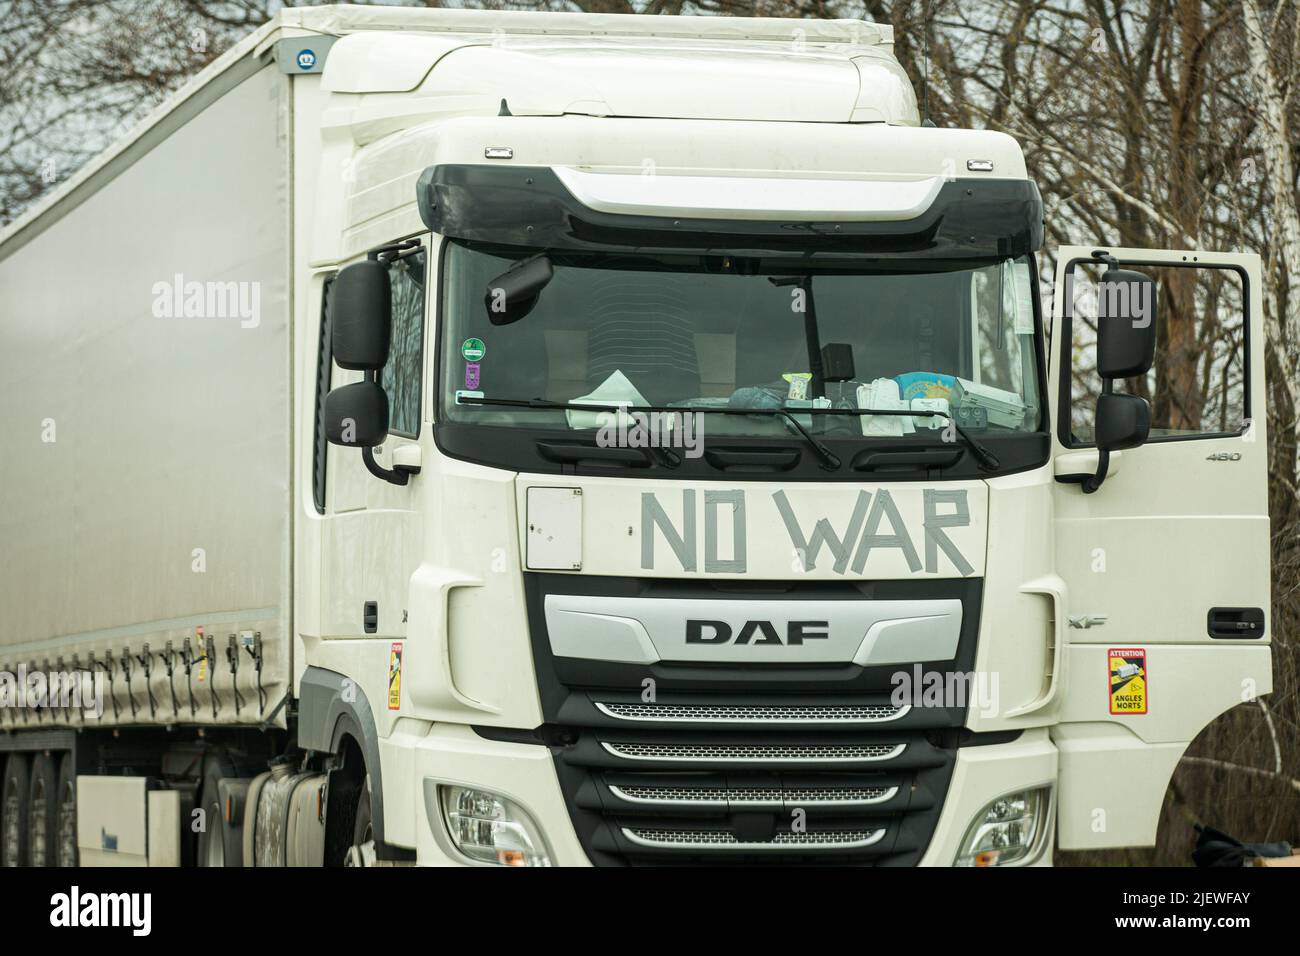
<point x="201" y="653"/>
<point x="1127" y="679"/>
<point x="395" y="677"/>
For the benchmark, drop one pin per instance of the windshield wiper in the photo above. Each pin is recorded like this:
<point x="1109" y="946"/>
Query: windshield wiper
<point x="830" y="461"/>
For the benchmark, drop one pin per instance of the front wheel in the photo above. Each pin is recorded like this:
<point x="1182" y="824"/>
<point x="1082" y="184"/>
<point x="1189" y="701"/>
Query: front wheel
<point x="362" y="851"/>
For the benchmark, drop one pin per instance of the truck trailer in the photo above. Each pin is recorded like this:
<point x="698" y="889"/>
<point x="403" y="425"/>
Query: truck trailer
<point x="540" y="439"/>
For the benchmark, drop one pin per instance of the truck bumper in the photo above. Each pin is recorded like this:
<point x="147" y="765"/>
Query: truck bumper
<point x="981" y="775"/>
<point x="525" y="773"/>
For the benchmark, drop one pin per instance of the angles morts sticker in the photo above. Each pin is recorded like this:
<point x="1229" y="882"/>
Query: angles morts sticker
<point x="395" y="677"/>
<point x="1127" y="674"/>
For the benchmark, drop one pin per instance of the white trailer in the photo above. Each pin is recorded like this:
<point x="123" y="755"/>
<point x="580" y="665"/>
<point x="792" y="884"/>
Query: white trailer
<point x="721" y="496"/>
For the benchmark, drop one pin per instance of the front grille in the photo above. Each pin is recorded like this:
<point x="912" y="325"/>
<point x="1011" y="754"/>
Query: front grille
<point x="755" y="753"/>
<point x="667" y="796"/>
<point x="797" y="763"/>
<point x="749" y="714"/>
<point x="726" y="840"/>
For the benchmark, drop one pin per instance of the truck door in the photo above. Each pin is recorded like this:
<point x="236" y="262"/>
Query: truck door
<point x="371" y="536"/>
<point x="1167" y="562"/>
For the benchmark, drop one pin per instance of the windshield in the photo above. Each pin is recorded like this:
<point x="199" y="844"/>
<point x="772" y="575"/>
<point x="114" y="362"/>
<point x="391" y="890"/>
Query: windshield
<point x="711" y="331"/>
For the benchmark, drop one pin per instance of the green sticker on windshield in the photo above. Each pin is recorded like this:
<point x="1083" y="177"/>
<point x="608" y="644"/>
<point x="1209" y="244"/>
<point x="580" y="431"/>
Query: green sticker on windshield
<point x="473" y="350"/>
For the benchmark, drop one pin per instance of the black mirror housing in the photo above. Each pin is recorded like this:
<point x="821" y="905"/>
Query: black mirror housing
<point x="512" y="295"/>
<point x="1126" y="347"/>
<point x="356" y="415"/>
<point x="1122" y="421"/>
<point x="837" y="362"/>
<point x="1126" y="327"/>
<point x="362" y="316"/>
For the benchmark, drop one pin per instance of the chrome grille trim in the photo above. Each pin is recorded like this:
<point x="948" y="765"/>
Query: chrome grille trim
<point x="754" y="714"/>
<point x="765" y="797"/>
<point x="755" y="753"/>
<point x="725" y="840"/>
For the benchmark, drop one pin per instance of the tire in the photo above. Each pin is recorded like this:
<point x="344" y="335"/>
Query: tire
<point x="65" y="843"/>
<point x="212" y="840"/>
<point x="13" y="812"/>
<point x="363" y="829"/>
<point x="43" y="811"/>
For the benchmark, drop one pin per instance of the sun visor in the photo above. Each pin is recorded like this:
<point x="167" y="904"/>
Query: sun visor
<point x="564" y="208"/>
<point x="734" y="197"/>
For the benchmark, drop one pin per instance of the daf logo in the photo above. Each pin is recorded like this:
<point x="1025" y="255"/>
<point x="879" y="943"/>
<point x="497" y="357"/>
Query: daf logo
<point x="755" y="632"/>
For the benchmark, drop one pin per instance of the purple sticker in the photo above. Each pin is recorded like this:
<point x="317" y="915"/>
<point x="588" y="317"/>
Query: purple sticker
<point x="472" y="376"/>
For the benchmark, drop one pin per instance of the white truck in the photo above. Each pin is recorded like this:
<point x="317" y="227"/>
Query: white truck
<point x="463" y="437"/>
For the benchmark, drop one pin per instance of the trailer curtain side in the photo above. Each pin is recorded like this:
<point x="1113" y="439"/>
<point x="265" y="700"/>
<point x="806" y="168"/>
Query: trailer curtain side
<point x="145" y="384"/>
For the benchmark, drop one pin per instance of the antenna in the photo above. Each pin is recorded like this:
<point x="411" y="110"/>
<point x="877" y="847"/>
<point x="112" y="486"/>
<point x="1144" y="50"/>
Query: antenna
<point x="925" y="56"/>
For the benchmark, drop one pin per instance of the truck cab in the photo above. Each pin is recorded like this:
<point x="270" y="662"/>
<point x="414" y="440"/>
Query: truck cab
<point x="656" y="443"/>
<point x="657" y="590"/>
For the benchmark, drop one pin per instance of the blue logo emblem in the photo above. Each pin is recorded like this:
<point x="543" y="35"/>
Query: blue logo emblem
<point x="306" y="59"/>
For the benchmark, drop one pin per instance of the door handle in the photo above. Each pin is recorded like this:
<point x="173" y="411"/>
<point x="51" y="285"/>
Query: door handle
<point x="1235" y="623"/>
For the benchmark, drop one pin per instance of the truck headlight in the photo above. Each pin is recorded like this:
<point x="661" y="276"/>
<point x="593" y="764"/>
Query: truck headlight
<point x="488" y="828"/>
<point x="1007" y="832"/>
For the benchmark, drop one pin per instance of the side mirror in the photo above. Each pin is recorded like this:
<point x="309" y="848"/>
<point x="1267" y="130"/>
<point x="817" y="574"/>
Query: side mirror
<point x="1126" y="347"/>
<point x="1122" y="421"/>
<point x="1126" y="328"/>
<point x="356" y="415"/>
<point x="512" y="295"/>
<point x="362" y="316"/>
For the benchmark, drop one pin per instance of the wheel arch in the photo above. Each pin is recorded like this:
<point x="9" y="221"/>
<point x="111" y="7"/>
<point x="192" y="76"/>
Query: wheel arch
<point x="327" y="719"/>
